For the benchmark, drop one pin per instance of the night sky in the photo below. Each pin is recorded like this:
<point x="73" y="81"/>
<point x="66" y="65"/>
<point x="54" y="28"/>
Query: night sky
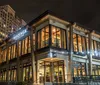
<point x="85" y="12"/>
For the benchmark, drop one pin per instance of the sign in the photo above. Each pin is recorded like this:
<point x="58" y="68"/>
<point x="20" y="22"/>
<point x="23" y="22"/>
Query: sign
<point x="20" y="34"/>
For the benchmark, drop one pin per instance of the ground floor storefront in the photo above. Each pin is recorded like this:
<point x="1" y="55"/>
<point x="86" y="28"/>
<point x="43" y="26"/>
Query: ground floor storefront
<point x="54" y="70"/>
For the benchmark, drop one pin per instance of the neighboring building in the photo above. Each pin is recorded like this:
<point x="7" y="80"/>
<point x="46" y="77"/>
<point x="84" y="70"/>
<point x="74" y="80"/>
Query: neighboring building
<point x="50" y="50"/>
<point x="8" y="21"/>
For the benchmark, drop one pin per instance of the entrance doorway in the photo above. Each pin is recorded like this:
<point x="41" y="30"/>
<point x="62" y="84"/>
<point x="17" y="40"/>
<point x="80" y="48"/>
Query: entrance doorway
<point x="51" y="70"/>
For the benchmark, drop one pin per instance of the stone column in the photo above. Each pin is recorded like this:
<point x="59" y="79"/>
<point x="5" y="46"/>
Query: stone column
<point x="90" y="53"/>
<point x="70" y="68"/>
<point x="33" y="57"/>
<point x="86" y="68"/>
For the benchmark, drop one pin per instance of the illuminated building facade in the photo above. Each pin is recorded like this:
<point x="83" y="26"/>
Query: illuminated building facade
<point x="50" y="49"/>
<point x="9" y="22"/>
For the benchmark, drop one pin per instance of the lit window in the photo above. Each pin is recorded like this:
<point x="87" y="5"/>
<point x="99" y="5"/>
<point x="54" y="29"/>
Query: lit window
<point x="43" y="37"/>
<point x="58" y="37"/>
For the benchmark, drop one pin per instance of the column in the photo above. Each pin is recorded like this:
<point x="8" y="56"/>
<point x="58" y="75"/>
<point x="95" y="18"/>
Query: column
<point x="86" y="68"/>
<point x="70" y="68"/>
<point x="66" y="68"/>
<point x="32" y="56"/>
<point x="90" y="53"/>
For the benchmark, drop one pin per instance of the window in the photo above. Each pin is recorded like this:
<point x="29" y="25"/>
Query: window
<point x="83" y="44"/>
<point x="58" y="37"/>
<point x="27" y="73"/>
<point x="19" y="48"/>
<point x="80" y="43"/>
<point x="23" y="47"/>
<point x="95" y="48"/>
<point x="34" y="41"/>
<point x="29" y="45"/>
<point x="87" y="45"/>
<point x="9" y="53"/>
<point x="26" y="45"/>
<point x="14" y="54"/>
<point x="43" y="37"/>
<point x="75" y="43"/>
<point x="4" y="55"/>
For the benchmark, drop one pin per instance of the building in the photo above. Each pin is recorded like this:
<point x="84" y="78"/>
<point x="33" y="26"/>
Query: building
<point x="49" y="49"/>
<point x="9" y="22"/>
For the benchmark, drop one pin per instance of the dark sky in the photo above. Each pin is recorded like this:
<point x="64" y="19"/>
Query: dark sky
<point x="85" y="12"/>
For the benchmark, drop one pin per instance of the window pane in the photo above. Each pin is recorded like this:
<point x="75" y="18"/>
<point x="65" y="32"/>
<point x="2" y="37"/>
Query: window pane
<point x="79" y="43"/>
<point x="34" y="41"/>
<point x="26" y="45"/>
<point x="9" y="52"/>
<point x="29" y="45"/>
<point x="19" y="48"/>
<point x="92" y="48"/>
<point x="83" y="44"/>
<point x="43" y="37"/>
<point x="58" y="37"/>
<point x="47" y="36"/>
<point x="54" y="36"/>
<point x="23" y="47"/>
<point x="39" y="39"/>
<point x="75" y="43"/>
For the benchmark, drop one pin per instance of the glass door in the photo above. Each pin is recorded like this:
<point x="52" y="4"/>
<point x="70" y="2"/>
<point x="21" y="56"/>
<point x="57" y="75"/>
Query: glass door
<point x="52" y="71"/>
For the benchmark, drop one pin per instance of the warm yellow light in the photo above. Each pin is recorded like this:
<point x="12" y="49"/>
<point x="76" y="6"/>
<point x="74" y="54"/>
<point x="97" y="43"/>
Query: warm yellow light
<point x="54" y="30"/>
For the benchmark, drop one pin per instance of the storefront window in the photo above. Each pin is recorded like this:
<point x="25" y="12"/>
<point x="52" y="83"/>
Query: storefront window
<point x="79" y="69"/>
<point x="95" y="48"/>
<point x="58" y="37"/>
<point x="51" y="71"/>
<point x="27" y="73"/>
<point x="43" y="37"/>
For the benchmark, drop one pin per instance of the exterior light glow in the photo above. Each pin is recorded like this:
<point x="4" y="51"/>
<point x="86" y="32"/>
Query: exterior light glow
<point x="82" y="52"/>
<point x="88" y="52"/>
<point x="62" y="52"/>
<point x="20" y="34"/>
